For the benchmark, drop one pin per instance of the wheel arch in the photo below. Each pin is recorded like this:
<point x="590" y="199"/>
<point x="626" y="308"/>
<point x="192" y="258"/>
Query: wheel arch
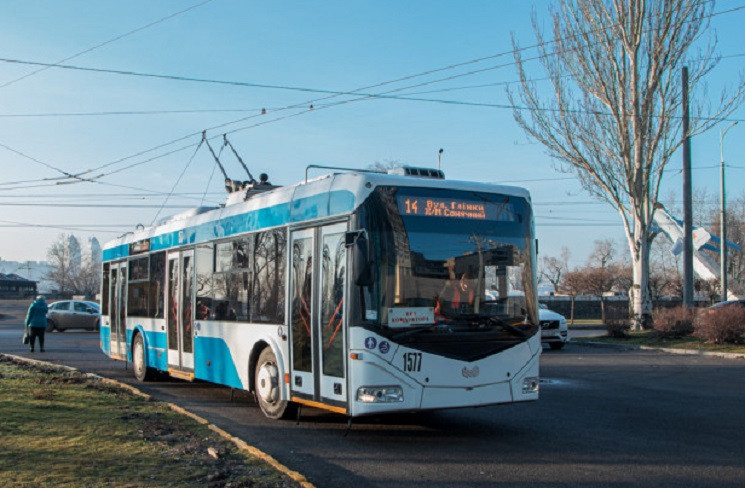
<point x="138" y="330"/>
<point x="253" y="359"/>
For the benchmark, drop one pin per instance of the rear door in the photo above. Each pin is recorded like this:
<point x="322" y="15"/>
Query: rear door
<point x="179" y="307"/>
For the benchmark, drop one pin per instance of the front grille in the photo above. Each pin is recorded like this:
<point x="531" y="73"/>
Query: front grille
<point x="549" y="324"/>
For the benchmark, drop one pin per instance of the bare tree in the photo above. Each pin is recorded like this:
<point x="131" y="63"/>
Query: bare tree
<point x="736" y="235"/>
<point x="613" y="120"/>
<point x="69" y="272"/>
<point x="61" y="268"/>
<point x="553" y="268"/>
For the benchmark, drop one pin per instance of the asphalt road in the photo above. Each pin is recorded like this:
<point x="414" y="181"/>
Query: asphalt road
<point x="605" y="418"/>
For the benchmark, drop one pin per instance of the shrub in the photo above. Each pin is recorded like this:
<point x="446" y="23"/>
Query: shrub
<point x="617" y="323"/>
<point x="720" y="326"/>
<point x="673" y="323"/>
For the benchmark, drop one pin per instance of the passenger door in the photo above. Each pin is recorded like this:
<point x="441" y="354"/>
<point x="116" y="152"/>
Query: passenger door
<point x="118" y="309"/>
<point x="318" y="319"/>
<point x="179" y="310"/>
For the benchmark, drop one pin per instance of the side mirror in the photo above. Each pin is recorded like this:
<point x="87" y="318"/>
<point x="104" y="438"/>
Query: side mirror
<point x="361" y="262"/>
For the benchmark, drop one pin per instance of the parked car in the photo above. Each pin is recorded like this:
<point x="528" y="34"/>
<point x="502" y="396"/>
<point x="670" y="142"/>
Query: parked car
<point x="73" y="314"/>
<point x="554" y="331"/>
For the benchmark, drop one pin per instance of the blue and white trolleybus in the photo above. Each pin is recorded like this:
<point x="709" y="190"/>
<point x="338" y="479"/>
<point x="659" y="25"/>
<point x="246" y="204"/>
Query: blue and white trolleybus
<point x="356" y="292"/>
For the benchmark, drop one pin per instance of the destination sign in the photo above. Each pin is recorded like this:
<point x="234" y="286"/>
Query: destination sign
<point x="446" y="207"/>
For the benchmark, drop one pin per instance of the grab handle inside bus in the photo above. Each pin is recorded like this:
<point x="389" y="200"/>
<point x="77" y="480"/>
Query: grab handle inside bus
<point x="362" y="263"/>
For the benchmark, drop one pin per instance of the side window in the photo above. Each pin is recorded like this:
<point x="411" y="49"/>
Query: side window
<point x="80" y="307"/>
<point x="231" y="280"/>
<point x="105" y="290"/>
<point x="138" y="292"/>
<point x="204" y="266"/>
<point x="157" y="275"/>
<point x="268" y="284"/>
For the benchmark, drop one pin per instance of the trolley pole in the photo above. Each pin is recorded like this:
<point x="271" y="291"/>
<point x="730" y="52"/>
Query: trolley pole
<point x="723" y="214"/>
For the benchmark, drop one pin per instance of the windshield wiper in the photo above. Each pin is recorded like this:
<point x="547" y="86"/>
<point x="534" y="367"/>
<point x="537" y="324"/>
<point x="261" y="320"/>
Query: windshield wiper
<point x="471" y="317"/>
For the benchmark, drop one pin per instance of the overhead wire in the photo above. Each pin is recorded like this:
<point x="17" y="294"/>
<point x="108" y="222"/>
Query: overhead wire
<point x="333" y="94"/>
<point x="114" y="39"/>
<point x="188" y="163"/>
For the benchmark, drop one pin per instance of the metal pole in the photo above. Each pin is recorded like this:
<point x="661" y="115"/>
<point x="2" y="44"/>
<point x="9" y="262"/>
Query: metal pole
<point x="723" y="214"/>
<point x="687" y="206"/>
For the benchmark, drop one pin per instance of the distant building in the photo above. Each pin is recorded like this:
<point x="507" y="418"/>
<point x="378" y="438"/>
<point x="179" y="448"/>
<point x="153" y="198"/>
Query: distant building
<point x="14" y="286"/>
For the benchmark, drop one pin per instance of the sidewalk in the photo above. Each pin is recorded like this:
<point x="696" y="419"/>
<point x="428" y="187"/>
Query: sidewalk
<point x="668" y="350"/>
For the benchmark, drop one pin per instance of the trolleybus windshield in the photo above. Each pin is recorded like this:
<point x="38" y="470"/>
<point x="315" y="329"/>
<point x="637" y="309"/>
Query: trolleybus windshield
<point x="449" y="261"/>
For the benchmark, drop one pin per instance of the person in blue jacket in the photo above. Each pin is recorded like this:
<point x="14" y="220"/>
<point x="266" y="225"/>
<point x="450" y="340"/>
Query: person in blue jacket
<point x="36" y="321"/>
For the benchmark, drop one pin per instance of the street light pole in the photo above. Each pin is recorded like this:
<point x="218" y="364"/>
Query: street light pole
<point x="723" y="214"/>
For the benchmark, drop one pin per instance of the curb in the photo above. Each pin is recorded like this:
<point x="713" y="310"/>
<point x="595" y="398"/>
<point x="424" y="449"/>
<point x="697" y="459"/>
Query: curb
<point x="669" y="350"/>
<point x="240" y="443"/>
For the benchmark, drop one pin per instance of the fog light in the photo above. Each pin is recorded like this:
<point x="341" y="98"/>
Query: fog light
<point x="380" y="394"/>
<point x="530" y="385"/>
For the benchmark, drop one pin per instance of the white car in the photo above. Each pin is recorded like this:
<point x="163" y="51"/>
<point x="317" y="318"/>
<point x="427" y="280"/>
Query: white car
<point x="554" y="330"/>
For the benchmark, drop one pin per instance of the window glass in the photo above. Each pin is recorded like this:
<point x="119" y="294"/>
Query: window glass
<point x="333" y="271"/>
<point x="230" y="296"/>
<point x="157" y="277"/>
<point x="268" y="284"/>
<point x="105" y="290"/>
<point x="80" y="307"/>
<point x="302" y="273"/>
<point x="138" y="268"/>
<point x="223" y="256"/>
<point x="204" y="264"/>
<point x="138" y="287"/>
<point x="137" y="298"/>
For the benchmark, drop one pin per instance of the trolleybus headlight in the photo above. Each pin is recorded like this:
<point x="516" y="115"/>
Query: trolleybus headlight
<point x="380" y="394"/>
<point x="530" y="385"/>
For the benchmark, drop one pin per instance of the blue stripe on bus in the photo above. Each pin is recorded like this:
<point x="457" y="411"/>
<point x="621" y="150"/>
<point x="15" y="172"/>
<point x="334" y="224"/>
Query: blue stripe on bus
<point x="213" y="362"/>
<point x="157" y="356"/>
<point x="316" y="206"/>
<point x="105" y="334"/>
<point x="116" y="252"/>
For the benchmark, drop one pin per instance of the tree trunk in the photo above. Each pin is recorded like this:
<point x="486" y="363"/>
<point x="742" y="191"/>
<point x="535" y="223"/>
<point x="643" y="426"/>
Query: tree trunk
<point x="571" y="319"/>
<point x="641" y="303"/>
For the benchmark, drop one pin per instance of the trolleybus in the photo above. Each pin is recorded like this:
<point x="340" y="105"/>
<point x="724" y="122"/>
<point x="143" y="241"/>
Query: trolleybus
<point x="356" y="292"/>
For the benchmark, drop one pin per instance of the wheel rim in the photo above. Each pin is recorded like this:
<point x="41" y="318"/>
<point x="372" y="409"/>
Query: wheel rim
<point x="139" y="359"/>
<point x="266" y="383"/>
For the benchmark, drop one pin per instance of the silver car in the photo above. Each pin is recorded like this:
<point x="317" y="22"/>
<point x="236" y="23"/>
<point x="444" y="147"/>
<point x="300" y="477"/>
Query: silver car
<point x="73" y="314"/>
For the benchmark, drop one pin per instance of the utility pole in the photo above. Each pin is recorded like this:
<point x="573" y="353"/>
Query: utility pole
<point x="687" y="206"/>
<point x="723" y="214"/>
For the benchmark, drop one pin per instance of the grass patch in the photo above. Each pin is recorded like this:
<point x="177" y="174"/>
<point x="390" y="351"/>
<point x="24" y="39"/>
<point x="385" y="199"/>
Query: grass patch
<point x="63" y="429"/>
<point x="650" y="338"/>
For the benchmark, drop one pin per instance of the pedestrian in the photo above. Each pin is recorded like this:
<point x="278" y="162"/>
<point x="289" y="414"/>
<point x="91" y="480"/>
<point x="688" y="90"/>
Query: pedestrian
<point x="36" y="321"/>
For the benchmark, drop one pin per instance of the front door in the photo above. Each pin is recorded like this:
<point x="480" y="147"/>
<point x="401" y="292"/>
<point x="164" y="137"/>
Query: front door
<point x="179" y="305"/>
<point x="118" y="309"/>
<point x="318" y="329"/>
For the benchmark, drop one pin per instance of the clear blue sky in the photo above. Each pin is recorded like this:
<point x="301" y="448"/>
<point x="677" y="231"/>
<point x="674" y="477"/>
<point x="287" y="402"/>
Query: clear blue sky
<point x="330" y="45"/>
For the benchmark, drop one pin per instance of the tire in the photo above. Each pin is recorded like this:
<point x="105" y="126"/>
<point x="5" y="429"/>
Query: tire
<point x="97" y="327"/>
<point x="556" y="345"/>
<point x="50" y="325"/>
<point x="141" y="371"/>
<point x="267" y="385"/>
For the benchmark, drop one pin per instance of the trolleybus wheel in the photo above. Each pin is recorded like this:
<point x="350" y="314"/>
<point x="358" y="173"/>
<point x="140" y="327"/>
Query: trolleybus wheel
<point x="268" y="384"/>
<point x="142" y="372"/>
